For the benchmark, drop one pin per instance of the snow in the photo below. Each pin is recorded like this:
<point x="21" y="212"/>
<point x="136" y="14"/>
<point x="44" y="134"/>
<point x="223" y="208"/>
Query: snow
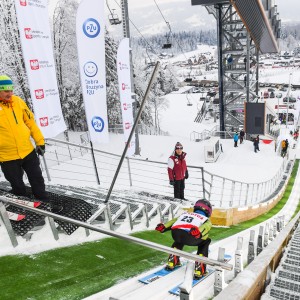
<point x="239" y="163"/>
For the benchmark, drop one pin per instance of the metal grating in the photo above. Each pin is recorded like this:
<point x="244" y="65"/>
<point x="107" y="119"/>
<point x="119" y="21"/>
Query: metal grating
<point x="282" y="294"/>
<point x="289" y="275"/>
<point x="285" y="284"/>
<point x="254" y="17"/>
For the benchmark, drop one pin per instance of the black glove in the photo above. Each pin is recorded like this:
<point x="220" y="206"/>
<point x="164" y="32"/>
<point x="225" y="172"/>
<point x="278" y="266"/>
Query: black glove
<point x="160" y="227"/>
<point x="40" y="150"/>
<point x="186" y="174"/>
<point x="172" y="182"/>
<point x="195" y="232"/>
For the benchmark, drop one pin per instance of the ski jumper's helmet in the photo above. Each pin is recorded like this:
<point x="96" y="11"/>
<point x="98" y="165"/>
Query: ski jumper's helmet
<point x="203" y="205"/>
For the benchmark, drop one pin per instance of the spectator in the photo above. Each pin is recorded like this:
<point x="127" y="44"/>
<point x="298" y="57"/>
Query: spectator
<point x="242" y="135"/>
<point x="283" y="148"/>
<point x="258" y="142"/>
<point x="235" y="138"/>
<point x="192" y="229"/>
<point x="178" y="171"/>
<point x="17" y="154"/>
<point x="255" y="144"/>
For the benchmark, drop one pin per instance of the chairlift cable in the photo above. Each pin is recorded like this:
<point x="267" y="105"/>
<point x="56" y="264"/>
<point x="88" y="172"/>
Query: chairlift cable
<point x="138" y="31"/>
<point x="108" y="8"/>
<point x="153" y="50"/>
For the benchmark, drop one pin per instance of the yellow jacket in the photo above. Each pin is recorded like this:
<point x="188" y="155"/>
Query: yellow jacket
<point x="17" y="124"/>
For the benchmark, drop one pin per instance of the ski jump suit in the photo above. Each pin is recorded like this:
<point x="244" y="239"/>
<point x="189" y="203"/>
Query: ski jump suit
<point x="181" y="227"/>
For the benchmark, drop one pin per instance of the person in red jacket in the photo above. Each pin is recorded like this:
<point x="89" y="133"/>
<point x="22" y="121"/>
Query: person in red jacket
<point x="178" y="171"/>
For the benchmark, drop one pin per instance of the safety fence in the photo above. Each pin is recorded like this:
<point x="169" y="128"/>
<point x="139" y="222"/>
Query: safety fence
<point x="73" y="164"/>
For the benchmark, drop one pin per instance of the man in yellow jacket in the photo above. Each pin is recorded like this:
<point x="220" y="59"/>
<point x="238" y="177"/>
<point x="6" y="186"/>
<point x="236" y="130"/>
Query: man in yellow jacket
<point x="190" y="229"/>
<point x="17" y="154"/>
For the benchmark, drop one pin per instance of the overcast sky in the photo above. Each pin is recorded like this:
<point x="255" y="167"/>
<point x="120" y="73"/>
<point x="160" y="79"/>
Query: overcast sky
<point x="180" y="14"/>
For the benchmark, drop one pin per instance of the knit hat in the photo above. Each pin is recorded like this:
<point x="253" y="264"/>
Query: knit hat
<point x="6" y="83"/>
<point x="178" y="145"/>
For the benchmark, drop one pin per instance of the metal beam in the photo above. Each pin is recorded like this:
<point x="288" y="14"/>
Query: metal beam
<point x="121" y="236"/>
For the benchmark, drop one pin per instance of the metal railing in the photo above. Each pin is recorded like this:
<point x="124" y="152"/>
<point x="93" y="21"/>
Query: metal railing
<point x="73" y="163"/>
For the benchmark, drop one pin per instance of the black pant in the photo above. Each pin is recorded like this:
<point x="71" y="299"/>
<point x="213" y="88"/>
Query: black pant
<point x="179" y="189"/>
<point x="13" y="171"/>
<point x="182" y="237"/>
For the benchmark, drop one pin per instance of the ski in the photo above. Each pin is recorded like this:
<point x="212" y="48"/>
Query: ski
<point x="15" y="217"/>
<point x="176" y="290"/>
<point x="156" y="275"/>
<point x="34" y="204"/>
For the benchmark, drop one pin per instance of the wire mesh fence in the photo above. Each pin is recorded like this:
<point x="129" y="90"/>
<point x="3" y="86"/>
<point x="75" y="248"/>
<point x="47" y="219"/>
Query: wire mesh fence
<point x="73" y="164"/>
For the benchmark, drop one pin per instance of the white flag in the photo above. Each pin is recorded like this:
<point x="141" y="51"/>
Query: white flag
<point x="123" y="67"/>
<point x="34" y="28"/>
<point x="90" y="33"/>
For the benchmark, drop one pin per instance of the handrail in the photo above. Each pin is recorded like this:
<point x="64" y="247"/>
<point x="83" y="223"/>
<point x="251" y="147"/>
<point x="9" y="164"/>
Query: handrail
<point x="125" y="237"/>
<point x="248" y="280"/>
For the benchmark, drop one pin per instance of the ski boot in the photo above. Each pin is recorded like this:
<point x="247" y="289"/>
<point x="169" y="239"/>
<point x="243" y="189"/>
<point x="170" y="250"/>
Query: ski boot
<point x="173" y="262"/>
<point x="200" y="269"/>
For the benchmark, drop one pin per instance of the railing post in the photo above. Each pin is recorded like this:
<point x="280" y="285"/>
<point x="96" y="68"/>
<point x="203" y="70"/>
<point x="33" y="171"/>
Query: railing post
<point x="220" y="283"/>
<point x="251" y="253"/>
<point x="240" y="196"/>
<point x="247" y="194"/>
<point x="56" y="156"/>
<point x="232" y="193"/>
<point x="129" y="171"/>
<point x="266" y="235"/>
<point x="222" y="192"/>
<point x="7" y="224"/>
<point x="238" y="266"/>
<point x="260" y="240"/>
<point x="203" y="183"/>
<point x="69" y="152"/>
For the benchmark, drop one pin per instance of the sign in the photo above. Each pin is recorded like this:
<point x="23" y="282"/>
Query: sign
<point x="90" y="33"/>
<point x="124" y="78"/>
<point x="33" y="20"/>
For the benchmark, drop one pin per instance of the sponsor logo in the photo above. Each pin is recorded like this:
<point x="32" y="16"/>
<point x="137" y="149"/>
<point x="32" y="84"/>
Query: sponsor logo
<point x="92" y="86"/>
<point x="126" y="106"/>
<point x="90" y="69"/>
<point x="34" y="64"/>
<point x="23" y="2"/>
<point x="122" y="66"/>
<point x="91" y="28"/>
<point x="39" y="94"/>
<point x="98" y="124"/>
<point x="44" y="122"/>
<point x="28" y="34"/>
<point x="127" y="125"/>
<point x="124" y="86"/>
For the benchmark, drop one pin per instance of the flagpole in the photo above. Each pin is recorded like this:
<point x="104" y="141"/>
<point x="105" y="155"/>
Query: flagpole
<point x="132" y="131"/>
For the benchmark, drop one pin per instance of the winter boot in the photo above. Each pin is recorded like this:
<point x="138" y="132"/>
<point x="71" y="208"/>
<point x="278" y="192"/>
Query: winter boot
<point x="200" y="269"/>
<point x="173" y="261"/>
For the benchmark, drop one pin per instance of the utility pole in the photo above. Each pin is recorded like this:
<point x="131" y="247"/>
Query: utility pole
<point x="126" y="34"/>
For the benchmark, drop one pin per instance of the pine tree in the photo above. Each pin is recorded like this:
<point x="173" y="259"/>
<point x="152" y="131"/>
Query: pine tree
<point x="12" y="62"/>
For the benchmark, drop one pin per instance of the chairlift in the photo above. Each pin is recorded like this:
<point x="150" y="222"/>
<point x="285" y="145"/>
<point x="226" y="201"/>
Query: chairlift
<point x="113" y="18"/>
<point x="188" y="101"/>
<point x="168" y="43"/>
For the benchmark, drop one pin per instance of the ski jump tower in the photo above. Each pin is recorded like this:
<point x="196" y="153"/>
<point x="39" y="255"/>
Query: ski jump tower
<point x="245" y="28"/>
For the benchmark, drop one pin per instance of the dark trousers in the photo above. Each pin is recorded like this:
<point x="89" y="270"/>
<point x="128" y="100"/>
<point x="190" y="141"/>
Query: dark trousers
<point x="179" y="186"/>
<point x="235" y="143"/>
<point x="13" y="171"/>
<point x="182" y="237"/>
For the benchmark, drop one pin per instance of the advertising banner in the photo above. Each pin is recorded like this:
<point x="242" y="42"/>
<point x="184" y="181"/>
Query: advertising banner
<point x="123" y="67"/>
<point x="90" y="33"/>
<point x="34" y="28"/>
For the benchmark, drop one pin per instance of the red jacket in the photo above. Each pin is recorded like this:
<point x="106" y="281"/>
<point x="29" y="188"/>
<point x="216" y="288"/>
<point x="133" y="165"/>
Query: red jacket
<point x="177" y="167"/>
